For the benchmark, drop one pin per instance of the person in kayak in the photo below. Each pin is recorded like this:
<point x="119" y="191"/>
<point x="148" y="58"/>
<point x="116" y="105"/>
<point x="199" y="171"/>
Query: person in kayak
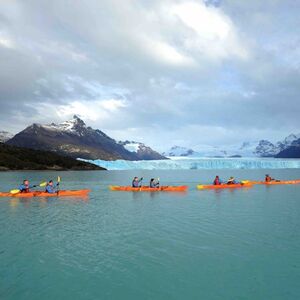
<point x="25" y="186"/>
<point x="217" y="181"/>
<point x="50" y="187"/>
<point x="153" y="183"/>
<point x="136" y="182"/>
<point x="231" y="180"/>
<point x="268" y="178"/>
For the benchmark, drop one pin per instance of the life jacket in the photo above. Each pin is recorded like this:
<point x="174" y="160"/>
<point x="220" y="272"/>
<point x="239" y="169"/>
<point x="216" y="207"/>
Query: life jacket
<point x="135" y="183"/>
<point x="25" y="189"/>
<point x="268" y="179"/>
<point x="217" y="181"/>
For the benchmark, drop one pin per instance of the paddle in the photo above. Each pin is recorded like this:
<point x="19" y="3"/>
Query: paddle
<point x="16" y="191"/>
<point x="58" y="181"/>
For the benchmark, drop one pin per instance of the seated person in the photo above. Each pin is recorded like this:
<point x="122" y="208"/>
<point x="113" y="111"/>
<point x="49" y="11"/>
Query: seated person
<point x="136" y="182"/>
<point x="25" y="187"/>
<point x="217" y="181"/>
<point x="268" y="178"/>
<point x="50" y="188"/>
<point x="153" y="183"/>
<point x="231" y="180"/>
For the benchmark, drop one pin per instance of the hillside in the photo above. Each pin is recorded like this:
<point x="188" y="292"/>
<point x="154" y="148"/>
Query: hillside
<point x="73" y="138"/>
<point x="16" y="158"/>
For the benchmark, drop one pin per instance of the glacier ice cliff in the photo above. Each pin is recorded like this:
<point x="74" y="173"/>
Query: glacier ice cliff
<point x="200" y="163"/>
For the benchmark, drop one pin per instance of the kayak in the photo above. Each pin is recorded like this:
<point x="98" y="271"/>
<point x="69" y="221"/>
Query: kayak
<point x="223" y="186"/>
<point x="65" y="193"/>
<point x="167" y="188"/>
<point x="297" y="181"/>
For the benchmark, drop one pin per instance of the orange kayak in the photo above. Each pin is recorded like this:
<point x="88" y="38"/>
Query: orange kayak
<point x="43" y="194"/>
<point x="223" y="186"/>
<point x="297" y="181"/>
<point x="167" y="188"/>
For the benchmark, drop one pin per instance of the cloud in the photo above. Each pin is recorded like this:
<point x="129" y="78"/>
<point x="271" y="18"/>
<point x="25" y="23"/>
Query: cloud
<point x="184" y="71"/>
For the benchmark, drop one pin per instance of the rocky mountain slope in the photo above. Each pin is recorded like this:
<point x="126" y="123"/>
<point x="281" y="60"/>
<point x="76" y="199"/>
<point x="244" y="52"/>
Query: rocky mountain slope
<point x="177" y="151"/>
<point x="292" y="151"/>
<point x="73" y="138"/>
<point x="141" y="150"/>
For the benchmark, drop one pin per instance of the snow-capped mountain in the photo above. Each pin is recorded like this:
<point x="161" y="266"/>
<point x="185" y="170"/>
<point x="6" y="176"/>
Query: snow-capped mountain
<point x="142" y="151"/>
<point x="179" y="151"/>
<point x="262" y="148"/>
<point x="5" y="136"/>
<point x="266" y="148"/>
<point x="292" y="151"/>
<point x="73" y="138"/>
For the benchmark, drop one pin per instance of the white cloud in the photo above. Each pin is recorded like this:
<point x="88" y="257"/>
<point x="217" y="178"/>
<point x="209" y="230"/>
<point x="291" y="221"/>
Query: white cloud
<point x="215" y="35"/>
<point x="6" y="41"/>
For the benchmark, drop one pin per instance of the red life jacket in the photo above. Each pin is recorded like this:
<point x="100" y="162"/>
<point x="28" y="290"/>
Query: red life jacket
<point x="268" y="179"/>
<point x="217" y="181"/>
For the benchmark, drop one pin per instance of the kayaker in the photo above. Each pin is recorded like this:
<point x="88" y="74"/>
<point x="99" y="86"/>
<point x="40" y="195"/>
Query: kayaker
<point x="136" y="182"/>
<point x="269" y="178"/>
<point x="153" y="183"/>
<point x="231" y="180"/>
<point x="25" y="187"/>
<point x="50" y="187"/>
<point x="217" y="181"/>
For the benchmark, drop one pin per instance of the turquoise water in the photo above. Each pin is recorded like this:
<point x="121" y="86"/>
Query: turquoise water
<point x="239" y="244"/>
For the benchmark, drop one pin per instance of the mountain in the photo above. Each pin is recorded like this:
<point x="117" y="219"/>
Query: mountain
<point x="267" y="149"/>
<point x="179" y="151"/>
<point x="142" y="151"/>
<point x="5" y="136"/>
<point x="262" y="148"/>
<point x="292" y="151"/>
<point x="16" y="158"/>
<point x="73" y="138"/>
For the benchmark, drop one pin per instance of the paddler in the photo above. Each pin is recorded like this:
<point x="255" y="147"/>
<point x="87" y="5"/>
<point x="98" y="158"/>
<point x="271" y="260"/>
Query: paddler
<point x="269" y="178"/>
<point x="217" y="181"/>
<point x="25" y="187"/>
<point x="153" y="183"/>
<point x="231" y="180"/>
<point x="50" y="187"/>
<point x="136" y="182"/>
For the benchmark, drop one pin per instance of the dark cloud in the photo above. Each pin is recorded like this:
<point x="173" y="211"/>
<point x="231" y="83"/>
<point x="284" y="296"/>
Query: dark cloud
<point x="161" y="71"/>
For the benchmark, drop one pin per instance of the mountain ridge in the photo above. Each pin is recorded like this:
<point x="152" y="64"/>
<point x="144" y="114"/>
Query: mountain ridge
<point x="72" y="138"/>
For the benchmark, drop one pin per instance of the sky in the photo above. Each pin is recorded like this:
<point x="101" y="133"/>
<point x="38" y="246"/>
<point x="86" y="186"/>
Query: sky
<point x="164" y="72"/>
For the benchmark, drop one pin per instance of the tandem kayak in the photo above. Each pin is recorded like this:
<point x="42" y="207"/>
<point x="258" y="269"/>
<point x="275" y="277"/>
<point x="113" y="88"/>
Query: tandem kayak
<point x="223" y="186"/>
<point x="297" y="181"/>
<point x="62" y="193"/>
<point x="167" y="188"/>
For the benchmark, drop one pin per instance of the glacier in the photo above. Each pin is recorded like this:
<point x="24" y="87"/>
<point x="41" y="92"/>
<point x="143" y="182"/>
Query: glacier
<point x="179" y="163"/>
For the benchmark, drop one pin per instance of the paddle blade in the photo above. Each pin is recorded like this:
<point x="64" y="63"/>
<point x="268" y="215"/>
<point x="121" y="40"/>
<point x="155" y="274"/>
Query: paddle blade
<point x="245" y="181"/>
<point x="15" y="191"/>
<point x="43" y="183"/>
<point x="58" y="179"/>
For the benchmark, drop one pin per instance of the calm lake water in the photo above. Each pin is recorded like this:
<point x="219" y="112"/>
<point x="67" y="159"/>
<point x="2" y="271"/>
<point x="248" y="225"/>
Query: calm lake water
<point x="239" y="244"/>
